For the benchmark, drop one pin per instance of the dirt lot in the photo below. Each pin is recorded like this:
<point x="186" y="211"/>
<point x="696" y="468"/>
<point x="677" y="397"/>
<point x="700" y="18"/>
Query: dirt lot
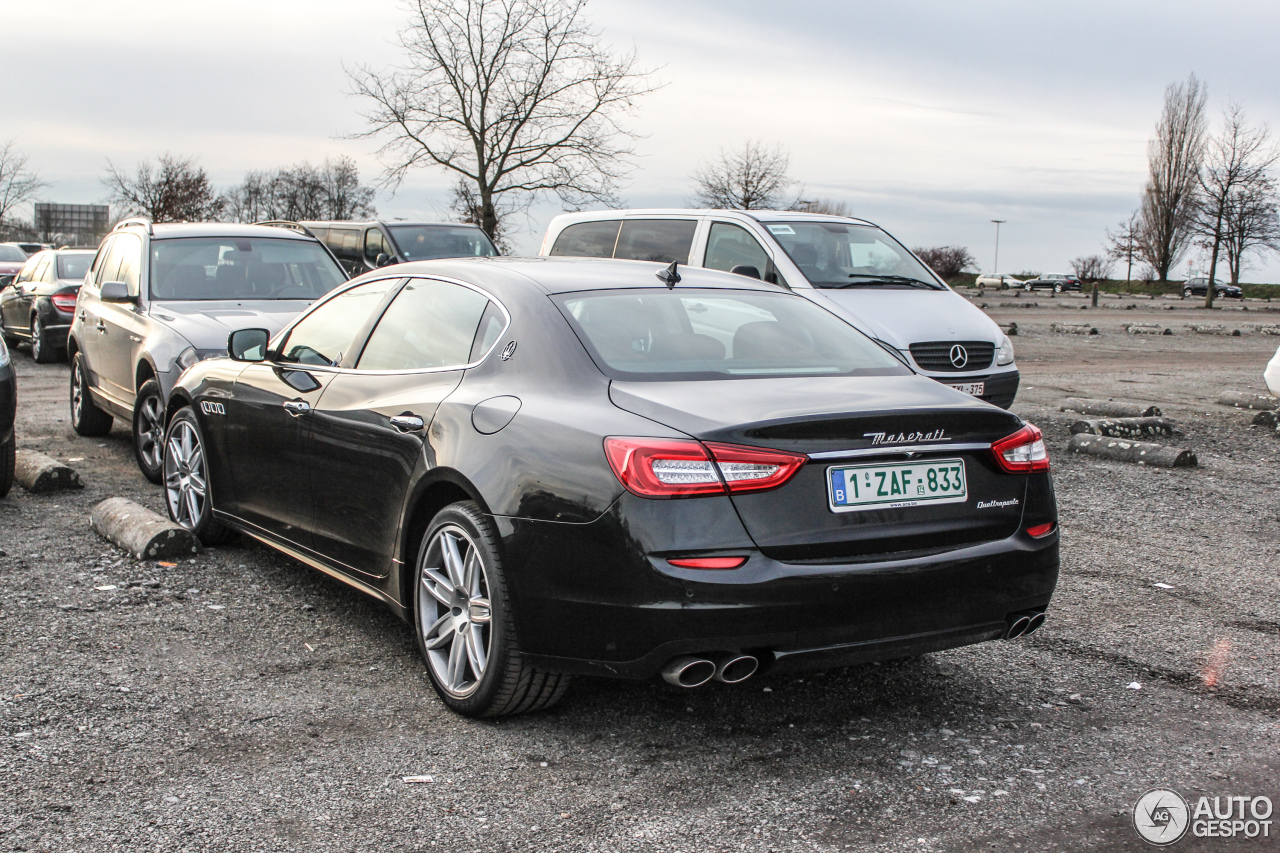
<point x="240" y="701"/>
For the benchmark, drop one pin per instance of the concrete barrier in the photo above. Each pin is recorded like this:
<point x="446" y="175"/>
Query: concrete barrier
<point x="1139" y="452"/>
<point x="1124" y="427"/>
<point x="40" y="474"/>
<point x="140" y="531"/>
<point x="1073" y="328"/>
<point x="1109" y="408"/>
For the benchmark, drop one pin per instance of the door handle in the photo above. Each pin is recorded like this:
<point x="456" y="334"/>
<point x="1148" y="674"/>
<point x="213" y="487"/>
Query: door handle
<point x="407" y="423"/>
<point x="296" y="407"/>
<point x="82" y="319"/>
<point x="102" y="327"/>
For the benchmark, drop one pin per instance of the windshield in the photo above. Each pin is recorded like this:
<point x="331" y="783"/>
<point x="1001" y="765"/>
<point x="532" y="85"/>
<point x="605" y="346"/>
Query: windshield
<point x="12" y="253"/>
<point x="211" y="268"/>
<point x="719" y="334"/>
<point x="425" y="242"/>
<point x="833" y="254"/>
<point x="74" y="266"/>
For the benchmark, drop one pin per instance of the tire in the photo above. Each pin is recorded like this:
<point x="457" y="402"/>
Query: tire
<point x="8" y="457"/>
<point x="1027" y="287"/>
<point x="41" y="352"/>
<point x="148" y="431"/>
<point x="1186" y="293"/>
<point x="1057" y="288"/>
<point x="479" y="673"/>
<point x="186" y="480"/>
<point x="86" y="418"/>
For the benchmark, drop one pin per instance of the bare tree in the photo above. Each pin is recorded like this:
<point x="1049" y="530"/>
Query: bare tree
<point x="753" y="177"/>
<point x="1125" y="243"/>
<point x="177" y="191"/>
<point x="329" y="191"/>
<point x="515" y="96"/>
<point x="18" y="183"/>
<point x="949" y="262"/>
<point x="466" y="205"/>
<point x="1174" y="155"/>
<point x="1250" y="224"/>
<point x="827" y="206"/>
<point x="345" y="197"/>
<point x="1237" y="161"/>
<point x="1092" y="269"/>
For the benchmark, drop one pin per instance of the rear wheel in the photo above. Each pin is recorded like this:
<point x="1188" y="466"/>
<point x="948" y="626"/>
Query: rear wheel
<point x="1186" y="293"/>
<point x="1027" y="287"/>
<point x="86" y="417"/>
<point x="148" y="431"/>
<point x="186" y="480"/>
<point x="41" y="352"/>
<point x="1057" y="288"/>
<point x="8" y="455"/>
<point x="464" y="625"/>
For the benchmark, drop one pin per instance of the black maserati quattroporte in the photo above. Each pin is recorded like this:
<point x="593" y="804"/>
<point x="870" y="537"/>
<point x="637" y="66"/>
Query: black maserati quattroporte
<point x="558" y="466"/>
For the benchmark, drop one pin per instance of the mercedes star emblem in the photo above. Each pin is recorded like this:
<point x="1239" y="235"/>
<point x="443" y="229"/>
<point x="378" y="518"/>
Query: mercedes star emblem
<point x="959" y="356"/>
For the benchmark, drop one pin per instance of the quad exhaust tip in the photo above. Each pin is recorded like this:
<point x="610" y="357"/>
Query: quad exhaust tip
<point x="1021" y="624"/>
<point x="694" y="671"/>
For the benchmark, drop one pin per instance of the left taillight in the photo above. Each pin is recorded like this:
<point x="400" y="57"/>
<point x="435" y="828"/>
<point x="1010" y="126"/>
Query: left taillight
<point x="1023" y="452"/>
<point x="675" y="468"/>
<point x="64" y="301"/>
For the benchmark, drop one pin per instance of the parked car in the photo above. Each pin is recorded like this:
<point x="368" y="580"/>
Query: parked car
<point x="1054" y="281"/>
<point x="12" y="259"/>
<point x="1199" y="286"/>
<point x="39" y="304"/>
<point x="849" y="266"/>
<point x="1272" y="375"/>
<point x="32" y="248"/>
<point x="8" y="411"/>
<point x="615" y="468"/>
<point x="160" y="298"/>
<point x="999" y="281"/>
<point x="364" y="246"/>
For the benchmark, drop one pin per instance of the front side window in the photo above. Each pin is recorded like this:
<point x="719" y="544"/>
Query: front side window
<point x="129" y="248"/>
<point x="326" y="334"/>
<point x="374" y="245"/>
<point x="718" y="334"/>
<point x="430" y="324"/>
<point x="730" y="246"/>
<point x="835" y="254"/>
<point x="427" y="242"/>
<point x="587" y="240"/>
<point x="224" y="268"/>
<point x="662" y="240"/>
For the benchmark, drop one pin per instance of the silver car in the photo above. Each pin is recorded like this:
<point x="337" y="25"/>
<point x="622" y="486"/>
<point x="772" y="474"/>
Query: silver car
<point x="160" y="298"/>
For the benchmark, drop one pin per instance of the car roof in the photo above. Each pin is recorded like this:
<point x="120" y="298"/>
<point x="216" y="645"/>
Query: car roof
<point x="566" y="275"/>
<point x="757" y="215"/>
<point x="332" y="223"/>
<point x="173" y="230"/>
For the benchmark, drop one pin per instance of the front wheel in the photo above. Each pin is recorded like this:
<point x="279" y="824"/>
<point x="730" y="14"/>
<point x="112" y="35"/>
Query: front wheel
<point x="186" y="480"/>
<point x="41" y="352"/>
<point x="1057" y="288"/>
<point x="464" y="625"/>
<point x="1027" y="287"/>
<point x="86" y="418"/>
<point x="148" y="431"/>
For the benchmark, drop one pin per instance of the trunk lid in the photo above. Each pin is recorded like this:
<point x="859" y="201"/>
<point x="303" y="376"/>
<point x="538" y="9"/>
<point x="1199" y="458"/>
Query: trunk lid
<point x="843" y="421"/>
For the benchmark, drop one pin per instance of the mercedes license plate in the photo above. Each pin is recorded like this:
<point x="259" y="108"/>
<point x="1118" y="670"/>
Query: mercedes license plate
<point x="977" y="389"/>
<point x="858" y="487"/>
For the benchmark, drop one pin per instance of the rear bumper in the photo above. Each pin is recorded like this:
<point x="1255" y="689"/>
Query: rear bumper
<point x="631" y="615"/>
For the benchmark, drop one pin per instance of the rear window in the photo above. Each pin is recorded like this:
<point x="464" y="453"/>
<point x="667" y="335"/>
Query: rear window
<point x="74" y="266"/>
<point x="718" y="334"/>
<point x="12" y="253"/>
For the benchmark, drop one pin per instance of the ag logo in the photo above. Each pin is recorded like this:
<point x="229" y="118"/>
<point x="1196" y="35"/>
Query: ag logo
<point x="959" y="356"/>
<point x="211" y="408"/>
<point x="1161" y="817"/>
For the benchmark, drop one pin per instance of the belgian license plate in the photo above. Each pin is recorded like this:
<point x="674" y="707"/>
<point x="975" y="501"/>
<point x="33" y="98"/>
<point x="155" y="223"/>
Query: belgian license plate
<point x="858" y="487"/>
<point x="977" y="389"/>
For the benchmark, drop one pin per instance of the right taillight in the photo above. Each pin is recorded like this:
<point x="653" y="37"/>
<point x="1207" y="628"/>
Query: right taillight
<point x="675" y="468"/>
<point x="1023" y="452"/>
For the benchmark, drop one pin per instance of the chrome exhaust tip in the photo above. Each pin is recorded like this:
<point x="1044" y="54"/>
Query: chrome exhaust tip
<point x="688" y="671"/>
<point x="734" y="668"/>
<point x="1036" y="621"/>
<point x="1018" y="626"/>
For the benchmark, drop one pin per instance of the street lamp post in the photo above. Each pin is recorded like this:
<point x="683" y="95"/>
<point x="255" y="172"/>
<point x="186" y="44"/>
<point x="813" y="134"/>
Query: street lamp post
<point x="996" y="268"/>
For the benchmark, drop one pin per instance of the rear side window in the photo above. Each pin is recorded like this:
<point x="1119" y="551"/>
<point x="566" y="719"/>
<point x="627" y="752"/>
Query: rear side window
<point x="587" y="240"/>
<point x="430" y="324"/>
<point x="718" y="334"/>
<point x="663" y="240"/>
<point x="326" y="334"/>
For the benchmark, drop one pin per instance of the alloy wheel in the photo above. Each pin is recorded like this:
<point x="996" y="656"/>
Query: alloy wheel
<point x="454" y="611"/>
<point x="185" y="483"/>
<point x="37" y="340"/>
<point x="151" y="431"/>
<point x="77" y="391"/>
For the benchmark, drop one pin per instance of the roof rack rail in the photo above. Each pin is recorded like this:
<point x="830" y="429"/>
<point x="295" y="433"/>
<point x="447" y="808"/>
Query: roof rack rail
<point x="287" y="223"/>
<point x="134" y="220"/>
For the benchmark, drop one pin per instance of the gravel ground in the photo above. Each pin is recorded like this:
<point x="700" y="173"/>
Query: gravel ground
<point x="240" y="701"/>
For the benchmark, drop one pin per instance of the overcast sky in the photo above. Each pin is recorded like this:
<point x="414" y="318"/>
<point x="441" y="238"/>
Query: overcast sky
<point x="929" y="118"/>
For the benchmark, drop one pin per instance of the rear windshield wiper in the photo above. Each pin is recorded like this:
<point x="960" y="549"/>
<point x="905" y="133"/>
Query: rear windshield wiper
<point x="865" y="279"/>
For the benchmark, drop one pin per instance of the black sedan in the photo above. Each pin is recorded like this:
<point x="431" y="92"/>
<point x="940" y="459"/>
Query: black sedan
<point x="554" y="466"/>
<point x="1056" y="282"/>
<point x="40" y="303"/>
<point x="1199" y="286"/>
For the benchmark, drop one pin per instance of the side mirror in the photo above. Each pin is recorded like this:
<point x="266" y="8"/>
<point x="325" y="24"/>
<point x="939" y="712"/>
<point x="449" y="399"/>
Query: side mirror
<point x="382" y="260"/>
<point x="248" y="344"/>
<point x="115" y="291"/>
<point x="747" y="270"/>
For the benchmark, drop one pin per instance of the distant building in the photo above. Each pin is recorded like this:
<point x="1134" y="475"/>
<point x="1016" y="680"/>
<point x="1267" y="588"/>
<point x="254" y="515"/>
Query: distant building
<point x="71" y="224"/>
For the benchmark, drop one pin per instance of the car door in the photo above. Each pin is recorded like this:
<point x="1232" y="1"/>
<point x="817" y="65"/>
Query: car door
<point x="268" y="414"/>
<point x="370" y="430"/>
<point x="122" y="325"/>
<point x="14" y="298"/>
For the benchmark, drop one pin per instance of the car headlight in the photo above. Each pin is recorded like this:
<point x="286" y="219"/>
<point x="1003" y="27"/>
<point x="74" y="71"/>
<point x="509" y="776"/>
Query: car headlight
<point x="1004" y="355"/>
<point x="187" y="357"/>
<point x="4" y="353"/>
